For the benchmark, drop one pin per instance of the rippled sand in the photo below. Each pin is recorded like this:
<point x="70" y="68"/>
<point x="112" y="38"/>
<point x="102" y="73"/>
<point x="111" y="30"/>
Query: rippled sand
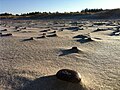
<point x="24" y="61"/>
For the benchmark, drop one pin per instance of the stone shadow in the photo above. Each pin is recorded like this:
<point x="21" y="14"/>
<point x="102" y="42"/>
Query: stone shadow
<point x="52" y="83"/>
<point x="69" y="51"/>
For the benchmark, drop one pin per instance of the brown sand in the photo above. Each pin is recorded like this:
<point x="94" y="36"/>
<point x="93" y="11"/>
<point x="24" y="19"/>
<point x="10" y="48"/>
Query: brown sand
<point x="36" y="61"/>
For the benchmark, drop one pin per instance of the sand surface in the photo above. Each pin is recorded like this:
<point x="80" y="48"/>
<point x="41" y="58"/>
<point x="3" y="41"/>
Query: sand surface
<point x="24" y="61"/>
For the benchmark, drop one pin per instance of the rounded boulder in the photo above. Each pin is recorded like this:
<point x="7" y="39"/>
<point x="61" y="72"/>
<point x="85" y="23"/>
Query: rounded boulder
<point x="68" y="75"/>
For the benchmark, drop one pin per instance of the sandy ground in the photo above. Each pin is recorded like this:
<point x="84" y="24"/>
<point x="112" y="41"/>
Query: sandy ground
<point x="35" y="62"/>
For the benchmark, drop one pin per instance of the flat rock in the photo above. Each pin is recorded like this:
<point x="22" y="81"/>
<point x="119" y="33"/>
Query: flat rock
<point x="68" y="75"/>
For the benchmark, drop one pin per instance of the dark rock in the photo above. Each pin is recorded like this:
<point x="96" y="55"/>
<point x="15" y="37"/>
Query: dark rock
<point x="62" y="29"/>
<point x="44" y="34"/>
<point x="41" y="37"/>
<point x="54" y="31"/>
<point x="84" y="38"/>
<point x="29" y="39"/>
<point x="81" y="28"/>
<point x="117" y="28"/>
<point x="80" y="36"/>
<point x="24" y="28"/>
<point x="68" y="75"/>
<point x="100" y="30"/>
<point x="73" y="28"/>
<point x="49" y="29"/>
<point x="70" y="51"/>
<point x="53" y="35"/>
<point x="8" y="34"/>
<point x="16" y="27"/>
<point x="75" y="49"/>
<point x="3" y="30"/>
<point x="17" y="30"/>
<point x="44" y="31"/>
<point x="99" y="23"/>
<point x="89" y="39"/>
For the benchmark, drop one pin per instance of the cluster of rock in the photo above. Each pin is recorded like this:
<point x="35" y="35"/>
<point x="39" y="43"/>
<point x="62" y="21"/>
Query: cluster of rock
<point x="4" y="34"/>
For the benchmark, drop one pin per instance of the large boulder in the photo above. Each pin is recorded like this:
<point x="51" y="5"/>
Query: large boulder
<point x="68" y="75"/>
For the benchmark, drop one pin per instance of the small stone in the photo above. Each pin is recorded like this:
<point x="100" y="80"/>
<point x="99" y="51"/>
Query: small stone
<point x="4" y="30"/>
<point x="68" y="75"/>
<point x="44" y="34"/>
<point x="54" y="31"/>
<point x="53" y="35"/>
<point x="8" y="34"/>
<point x="89" y="39"/>
<point x="16" y="27"/>
<point x="75" y="49"/>
<point x="24" y="28"/>
<point x="31" y="38"/>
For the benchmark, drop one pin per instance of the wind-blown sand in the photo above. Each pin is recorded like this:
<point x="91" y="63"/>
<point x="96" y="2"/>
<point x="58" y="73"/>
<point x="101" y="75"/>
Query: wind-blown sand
<point x="31" y="64"/>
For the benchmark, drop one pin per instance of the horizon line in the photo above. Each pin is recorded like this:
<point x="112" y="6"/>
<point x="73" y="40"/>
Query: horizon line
<point x="53" y="11"/>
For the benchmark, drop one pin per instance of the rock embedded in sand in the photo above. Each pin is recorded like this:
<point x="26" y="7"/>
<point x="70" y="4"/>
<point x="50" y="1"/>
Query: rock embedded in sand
<point x="89" y="39"/>
<point x="16" y="27"/>
<point x="7" y="34"/>
<point x="24" y="28"/>
<point x="54" y="31"/>
<point x="68" y="75"/>
<point x="75" y="49"/>
<point x="53" y="35"/>
<point x="44" y="36"/>
<point x="62" y="29"/>
<point x="31" y="38"/>
<point x="3" y="30"/>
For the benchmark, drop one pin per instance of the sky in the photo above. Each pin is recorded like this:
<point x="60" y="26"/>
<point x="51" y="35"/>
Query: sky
<point x="25" y="6"/>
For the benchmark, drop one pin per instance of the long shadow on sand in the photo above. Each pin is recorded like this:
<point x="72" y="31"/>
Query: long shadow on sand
<point x="52" y="83"/>
<point x="28" y="39"/>
<point x="16" y="82"/>
<point x="68" y="51"/>
<point x="85" y="40"/>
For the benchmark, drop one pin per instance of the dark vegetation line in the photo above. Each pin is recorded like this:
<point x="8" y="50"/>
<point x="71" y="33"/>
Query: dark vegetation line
<point x="85" y="13"/>
<point x="54" y="13"/>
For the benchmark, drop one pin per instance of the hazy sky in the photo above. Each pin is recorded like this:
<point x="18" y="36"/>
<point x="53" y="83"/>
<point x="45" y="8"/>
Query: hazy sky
<point x="23" y="6"/>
